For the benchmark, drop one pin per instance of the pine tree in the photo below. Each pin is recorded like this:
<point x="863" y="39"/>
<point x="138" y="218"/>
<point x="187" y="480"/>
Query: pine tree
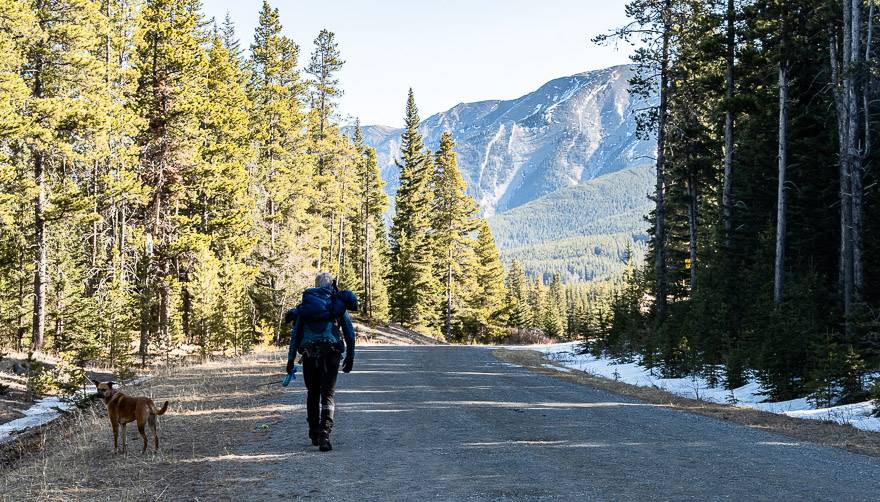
<point x="170" y="65"/>
<point x="63" y="78"/>
<point x="220" y="205"/>
<point x="323" y="67"/>
<point x="536" y="301"/>
<point x="147" y="171"/>
<point x="333" y="152"/>
<point x="517" y="296"/>
<point x="17" y="26"/>
<point x="555" y="309"/>
<point x="219" y="211"/>
<point x="730" y="316"/>
<point x="368" y="249"/>
<point x="412" y="283"/>
<point x="655" y="29"/>
<point x="205" y="294"/>
<point x="486" y="302"/>
<point x="453" y="218"/>
<point x="282" y="181"/>
<point x="231" y="42"/>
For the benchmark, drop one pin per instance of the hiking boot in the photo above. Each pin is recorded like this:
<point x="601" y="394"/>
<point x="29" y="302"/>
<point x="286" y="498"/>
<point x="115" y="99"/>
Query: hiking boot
<point x="324" y="444"/>
<point x="315" y="437"/>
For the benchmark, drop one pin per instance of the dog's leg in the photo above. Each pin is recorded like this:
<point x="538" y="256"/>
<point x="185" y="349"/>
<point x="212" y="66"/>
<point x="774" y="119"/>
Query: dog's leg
<point x="143" y="433"/>
<point x="115" y="437"/>
<point x="123" y="437"/>
<point x="155" y="428"/>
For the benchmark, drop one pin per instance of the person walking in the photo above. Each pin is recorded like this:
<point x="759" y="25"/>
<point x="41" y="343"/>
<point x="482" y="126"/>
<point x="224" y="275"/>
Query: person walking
<point x="322" y="331"/>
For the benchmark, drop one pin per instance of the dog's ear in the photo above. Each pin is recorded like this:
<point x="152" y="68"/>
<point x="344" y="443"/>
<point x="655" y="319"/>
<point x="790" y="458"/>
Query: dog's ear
<point x="111" y="383"/>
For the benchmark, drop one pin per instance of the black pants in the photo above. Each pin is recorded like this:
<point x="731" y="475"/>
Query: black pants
<point x="319" y="374"/>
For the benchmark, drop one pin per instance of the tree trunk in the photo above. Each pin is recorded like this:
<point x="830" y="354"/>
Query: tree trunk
<point x="59" y="318"/>
<point x="145" y="299"/>
<point x="366" y="267"/>
<point x="186" y="314"/>
<point x="40" y="254"/>
<point x="840" y="65"/>
<point x="340" y="261"/>
<point x="853" y="154"/>
<point x="866" y="84"/>
<point x="727" y="190"/>
<point x="164" y="317"/>
<point x="858" y="192"/>
<point x="93" y="258"/>
<point x="692" y="228"/>
<point x="122" y="249"/>
<point x="331" y="254"/>
<point x="779" y="268"/>
<point x="21" y="317"/>
<point x="660" y="212"/>
<point x="838" y="62"/>
<point x="38" y="326"/>
<point x="272" y="230"/>
<point x="447" y="324"/>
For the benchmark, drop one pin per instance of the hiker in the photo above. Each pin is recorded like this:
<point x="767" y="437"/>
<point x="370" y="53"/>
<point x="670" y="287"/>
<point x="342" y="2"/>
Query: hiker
<point x="317" y="322"/>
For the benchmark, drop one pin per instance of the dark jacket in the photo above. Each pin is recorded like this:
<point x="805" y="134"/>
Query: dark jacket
<point x="314" y="308"/>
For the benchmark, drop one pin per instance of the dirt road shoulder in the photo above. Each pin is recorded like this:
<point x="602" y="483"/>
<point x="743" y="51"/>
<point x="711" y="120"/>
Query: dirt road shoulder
<point x="823" y="433"/>
<point x="215" y="407"/>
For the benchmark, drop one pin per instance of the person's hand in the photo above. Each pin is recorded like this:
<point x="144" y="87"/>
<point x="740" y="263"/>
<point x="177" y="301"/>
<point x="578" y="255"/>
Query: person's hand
<point x="347" y="364"/>
<point x="290" y="315"/>
<point x="289" y="367"/>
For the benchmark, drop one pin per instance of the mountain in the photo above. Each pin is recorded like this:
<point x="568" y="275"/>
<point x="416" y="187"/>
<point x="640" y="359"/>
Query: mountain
<point x="559" y="173"/>
<point x="569" y="131"/>
<point x="583" y="232"/>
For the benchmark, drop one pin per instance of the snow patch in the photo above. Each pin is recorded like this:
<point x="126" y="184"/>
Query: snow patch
<point x="489" y="146"/>
<point x="40" y="413"/>
<point x="858" y="415"/>
<point x="44" y="411"/>
<point x="557" y="368"/>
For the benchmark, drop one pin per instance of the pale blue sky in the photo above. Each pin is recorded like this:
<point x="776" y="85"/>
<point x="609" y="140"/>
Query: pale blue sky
<point x="448" y="51"/>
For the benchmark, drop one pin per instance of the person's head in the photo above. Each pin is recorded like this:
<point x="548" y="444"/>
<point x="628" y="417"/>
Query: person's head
<point x="324" y="279"/>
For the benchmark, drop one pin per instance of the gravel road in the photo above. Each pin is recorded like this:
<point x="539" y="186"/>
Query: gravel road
<point x="453" y="423"/>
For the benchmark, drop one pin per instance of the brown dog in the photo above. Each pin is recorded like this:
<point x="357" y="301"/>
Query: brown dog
<point x="123" y="409"/>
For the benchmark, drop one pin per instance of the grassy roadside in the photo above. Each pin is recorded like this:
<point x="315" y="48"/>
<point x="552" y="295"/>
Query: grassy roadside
<point x="813" y="431"/>
<point x="215" y="407"/>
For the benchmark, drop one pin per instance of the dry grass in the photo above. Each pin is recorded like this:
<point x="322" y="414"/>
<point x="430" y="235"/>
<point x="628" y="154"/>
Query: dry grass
<point x="824" y="433"/>
<point x="214" y="407"/>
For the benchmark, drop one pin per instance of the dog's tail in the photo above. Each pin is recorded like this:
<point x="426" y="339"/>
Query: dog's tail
<point x="161" y="411"/>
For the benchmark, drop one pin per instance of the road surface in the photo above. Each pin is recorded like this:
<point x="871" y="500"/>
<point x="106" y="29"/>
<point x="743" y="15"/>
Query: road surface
<point x="431" y="423"/>
<point x="453" y="423"/>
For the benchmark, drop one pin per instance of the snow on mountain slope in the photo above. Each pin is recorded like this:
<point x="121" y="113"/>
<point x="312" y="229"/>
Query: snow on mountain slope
<point x="570" y="130"/>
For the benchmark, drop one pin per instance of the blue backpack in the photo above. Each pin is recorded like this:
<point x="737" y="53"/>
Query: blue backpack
<point x="318" y="317"/>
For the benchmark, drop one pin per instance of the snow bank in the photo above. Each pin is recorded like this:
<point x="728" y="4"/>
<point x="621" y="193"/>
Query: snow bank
<point x="44" y="411"/>
<point x="857" y="415"/>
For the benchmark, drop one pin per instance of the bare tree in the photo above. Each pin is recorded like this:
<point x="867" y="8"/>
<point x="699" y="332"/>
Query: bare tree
<point x="779" y="268"/>
<point x="727" y="189"/>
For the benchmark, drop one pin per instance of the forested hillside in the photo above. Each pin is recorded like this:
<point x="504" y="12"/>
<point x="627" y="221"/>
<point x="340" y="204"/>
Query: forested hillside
<point x="763" y="257"/>
<point x="166" y="186"/>
<point x="581" y="232"/>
